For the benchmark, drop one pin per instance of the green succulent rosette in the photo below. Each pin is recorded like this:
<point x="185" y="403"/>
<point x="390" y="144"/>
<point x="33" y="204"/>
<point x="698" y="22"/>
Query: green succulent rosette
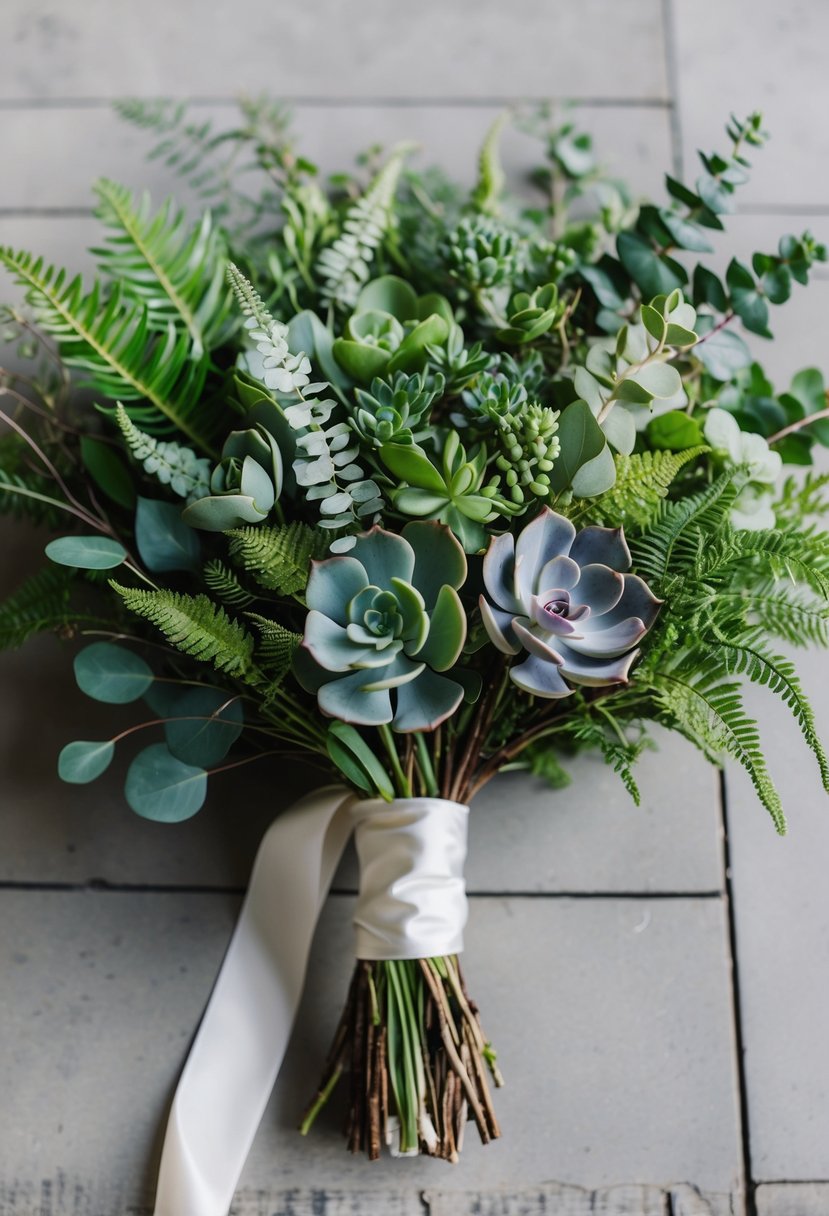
<point x="385" y="621"/>
<point x="391" y="330"/>
<point x="245" y="484"/>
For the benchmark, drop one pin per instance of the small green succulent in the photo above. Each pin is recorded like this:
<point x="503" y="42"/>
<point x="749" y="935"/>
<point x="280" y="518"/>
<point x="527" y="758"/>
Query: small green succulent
<point x="532" y="314"/>
<point x="244" y="485"/>
<point x="390" y="330"/>
<point x="481" y="253"/>
<point x="384" y="621"/>
<point x="388" y="412"/>
<point x="456" y="493"/>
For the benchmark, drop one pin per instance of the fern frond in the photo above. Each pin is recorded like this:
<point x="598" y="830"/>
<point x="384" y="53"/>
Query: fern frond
<point x="798" y="621"/>
<point x="608" y="736"/>
<point x="110" y="340"/>
<point x="654" y="551"/>
<point x="276" y="649"/>
<point x="642" y="482"/>
<point x="173" y="267"/>
<point x="749" y="657"/>
<point x="224" y="584"/>
<point x="278" y="558"/>
<point x="194" y="625"/>
<point x="24" y="491"/>
<point x="709" y="711"/>
<point x="793" y="555"/>
<point x="41" y="603"/>
<point x="491" y="178"/>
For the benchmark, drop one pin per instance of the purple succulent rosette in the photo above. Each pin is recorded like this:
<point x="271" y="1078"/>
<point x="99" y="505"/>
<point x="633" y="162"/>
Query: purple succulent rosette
<point x="566" y="599"/>
<point x="385" y="620"/>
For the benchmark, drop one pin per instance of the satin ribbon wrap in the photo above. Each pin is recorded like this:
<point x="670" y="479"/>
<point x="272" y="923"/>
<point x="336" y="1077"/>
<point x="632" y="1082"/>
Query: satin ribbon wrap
<point x="412" y="904"/>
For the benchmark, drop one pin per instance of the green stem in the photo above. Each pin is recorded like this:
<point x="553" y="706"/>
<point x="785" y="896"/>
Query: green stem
<point x="424" y="762"/>
<point x="403" y="786"/>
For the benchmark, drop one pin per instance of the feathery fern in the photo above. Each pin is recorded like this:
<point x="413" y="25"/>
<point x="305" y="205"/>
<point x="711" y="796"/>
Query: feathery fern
<point x="277" y="646"/>
<point x="654" y="551"/>
<point x="224" y="584"/>
<point x="709" y="711"/>
<point x="194" y="625"/>
<point x="749" y="656"/>
<point x="278" y="558"/>
<point x="604" y="733"/>
<point x="110" y="340"/>
<point x="642" y="482"/>
<point x="39" y="604"/>
<point x="176" y="268"/>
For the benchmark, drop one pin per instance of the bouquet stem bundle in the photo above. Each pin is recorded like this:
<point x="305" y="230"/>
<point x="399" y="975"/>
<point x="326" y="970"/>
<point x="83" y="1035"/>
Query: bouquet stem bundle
<point x="411" y="1042"/>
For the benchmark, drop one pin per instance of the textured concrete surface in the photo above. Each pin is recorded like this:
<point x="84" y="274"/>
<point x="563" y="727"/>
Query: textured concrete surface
<point x="601" y="938"/>
<point x="103" y="990"/>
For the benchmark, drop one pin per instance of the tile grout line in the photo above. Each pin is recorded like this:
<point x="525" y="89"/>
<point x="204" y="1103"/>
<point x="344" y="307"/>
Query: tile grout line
<point x="736" y="998"/>
<point x="327" y="102"/>
<point x="102" y="886"/>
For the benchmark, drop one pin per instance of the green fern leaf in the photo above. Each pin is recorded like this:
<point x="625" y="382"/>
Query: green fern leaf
<point x="176" y="269"/>
<point x="278" y="558"/>
<point x="749" y="657"/>
<point x="41" y="603"/>
<point x="110" y="340"/>
<point x="224" y="584"/>
<point x="642" y="482"/>
<point x="796" y="620"/>
<point x="654" y="552"/>
<point x="709" y="712"/>
<point x="194" y="625"/>
<point x="277" y="647"/>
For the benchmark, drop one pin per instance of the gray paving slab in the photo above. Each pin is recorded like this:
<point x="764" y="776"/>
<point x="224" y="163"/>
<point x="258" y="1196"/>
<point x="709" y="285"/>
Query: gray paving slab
<point x="78" y="144"/>
<point x="793" y="1199"/>
<point x="524" y="835"/>
<point x="612" y="1018"/>
<point x="781" y="902"/>
<point x="327" y="48"/>
<point x="745" y="55"/>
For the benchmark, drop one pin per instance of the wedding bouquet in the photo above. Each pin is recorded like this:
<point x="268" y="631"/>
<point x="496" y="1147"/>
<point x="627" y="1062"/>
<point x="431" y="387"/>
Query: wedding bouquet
<point x="421" y="484"/>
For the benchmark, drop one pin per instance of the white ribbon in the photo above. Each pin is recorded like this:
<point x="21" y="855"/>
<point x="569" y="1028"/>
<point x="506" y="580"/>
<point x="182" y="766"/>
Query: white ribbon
<point x="412" y="904"/>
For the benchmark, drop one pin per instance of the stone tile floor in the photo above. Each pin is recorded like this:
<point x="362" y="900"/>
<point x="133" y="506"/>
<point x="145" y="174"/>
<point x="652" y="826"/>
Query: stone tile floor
<point x="657" y="993"/>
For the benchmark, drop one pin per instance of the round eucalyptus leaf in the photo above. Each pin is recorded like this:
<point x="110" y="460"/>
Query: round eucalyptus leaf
<point x="165" y="540"/>
<point x="163" y="788"/>
<point x="86" y="552"/>
<point x="111" y="673"/>
<point x="203" y="739"/>
<point x="84" y="760"/>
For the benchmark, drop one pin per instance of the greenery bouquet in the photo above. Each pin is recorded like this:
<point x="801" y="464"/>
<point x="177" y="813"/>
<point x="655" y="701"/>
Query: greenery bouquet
<point x="421" y="484"/>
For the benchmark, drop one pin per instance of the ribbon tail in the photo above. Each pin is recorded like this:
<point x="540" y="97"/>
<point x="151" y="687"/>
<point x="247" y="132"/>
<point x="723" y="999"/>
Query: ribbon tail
<point x="241" y="1042"/>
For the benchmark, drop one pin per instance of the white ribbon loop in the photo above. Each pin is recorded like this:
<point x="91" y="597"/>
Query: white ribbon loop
<point x="412" y="900"/>
<point x="412" y="905"/>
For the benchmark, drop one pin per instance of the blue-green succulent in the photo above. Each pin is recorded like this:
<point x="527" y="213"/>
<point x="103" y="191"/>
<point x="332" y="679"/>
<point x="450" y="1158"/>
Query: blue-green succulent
<point x="566" y="599"/>
<point x="245" y="484"/>
<point x="384" y="622"/>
